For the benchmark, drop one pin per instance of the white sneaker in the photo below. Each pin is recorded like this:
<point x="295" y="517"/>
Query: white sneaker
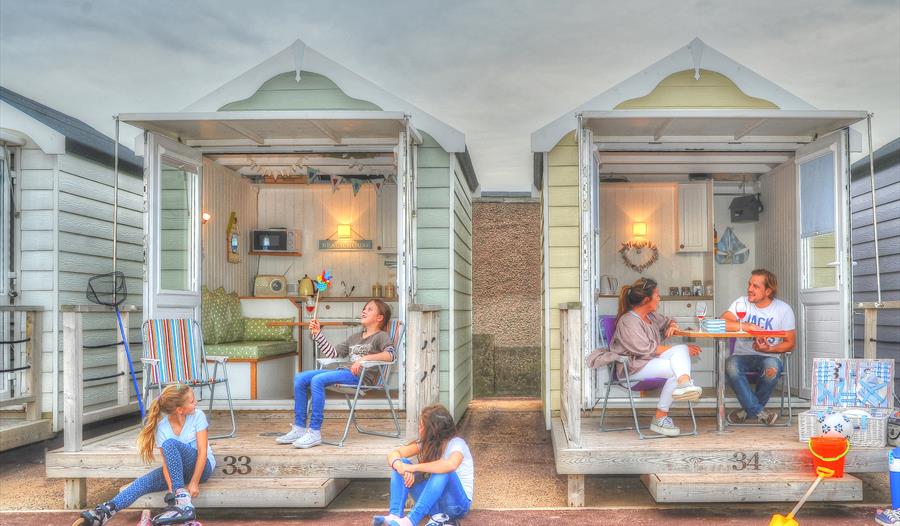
<point x="664" y="426"/>
<point x="687" y="392"/>
<point x="312" y="438"/>
<point x="295" y="433"/>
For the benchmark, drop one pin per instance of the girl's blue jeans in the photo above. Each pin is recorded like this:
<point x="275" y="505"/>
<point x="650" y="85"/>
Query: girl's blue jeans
<point x="439" y="493"/>
<point x="180" y="458"/>
<point x="314" y="383"/>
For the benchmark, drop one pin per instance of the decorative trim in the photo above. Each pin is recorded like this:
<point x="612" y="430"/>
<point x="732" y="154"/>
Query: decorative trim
<point x="638" y="246"/>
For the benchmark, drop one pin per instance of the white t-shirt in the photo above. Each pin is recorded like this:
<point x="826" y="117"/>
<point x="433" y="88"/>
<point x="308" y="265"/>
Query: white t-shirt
<point x="777" y="316"/>
<point x="193" y="423"/>
<point x="466" y="470"/>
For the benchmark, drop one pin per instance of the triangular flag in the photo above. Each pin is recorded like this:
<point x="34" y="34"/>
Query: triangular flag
<point x="335" y="181"/>
<point x="311" y="174"/>
<point x="378" y="186"/>
<point x="356" y="186"/>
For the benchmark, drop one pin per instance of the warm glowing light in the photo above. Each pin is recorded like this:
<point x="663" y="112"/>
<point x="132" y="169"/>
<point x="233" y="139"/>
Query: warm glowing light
<point x="206" y="217"/>
<point x="344" y="232"/>
<point x="639" y="229"/>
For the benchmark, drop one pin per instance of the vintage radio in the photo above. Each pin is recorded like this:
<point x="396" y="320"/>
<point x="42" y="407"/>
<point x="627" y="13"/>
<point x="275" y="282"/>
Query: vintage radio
<point x="270" y="286"/>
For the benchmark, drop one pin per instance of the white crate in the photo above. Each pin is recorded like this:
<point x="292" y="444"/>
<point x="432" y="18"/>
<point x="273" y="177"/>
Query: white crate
<point x="870" y="431"/>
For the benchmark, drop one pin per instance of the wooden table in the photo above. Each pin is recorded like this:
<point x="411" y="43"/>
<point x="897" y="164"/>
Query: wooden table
<point x="721" y="348"/>
<point x="306" y="324"/>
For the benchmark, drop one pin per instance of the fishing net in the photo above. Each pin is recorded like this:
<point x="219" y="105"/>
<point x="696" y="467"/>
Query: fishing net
<point x="107" y="289"/>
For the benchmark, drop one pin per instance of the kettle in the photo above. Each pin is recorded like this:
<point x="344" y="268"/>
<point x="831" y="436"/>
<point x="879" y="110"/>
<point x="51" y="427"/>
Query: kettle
<point x="608" y="285"/>
<point x="305" y="287"/>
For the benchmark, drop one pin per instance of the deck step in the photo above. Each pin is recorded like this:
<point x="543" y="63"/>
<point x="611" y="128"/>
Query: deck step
<point x="748" y="487"/>
<point x="241" y="492"/>
<point x="16" y="432"/>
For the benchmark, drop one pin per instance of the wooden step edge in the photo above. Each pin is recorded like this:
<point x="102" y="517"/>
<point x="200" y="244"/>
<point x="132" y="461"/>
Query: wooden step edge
<point x="750" y="487"/>
<point x="280" y="492"/>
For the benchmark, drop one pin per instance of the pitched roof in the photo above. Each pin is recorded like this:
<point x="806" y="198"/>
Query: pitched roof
<point x="80" y="138"/>
<point x="694" y="56"/>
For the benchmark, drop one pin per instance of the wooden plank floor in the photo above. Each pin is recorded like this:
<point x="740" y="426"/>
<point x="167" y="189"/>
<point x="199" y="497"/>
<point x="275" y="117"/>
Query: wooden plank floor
<point x="746" y="449"/>
<point x="252" y="453"/>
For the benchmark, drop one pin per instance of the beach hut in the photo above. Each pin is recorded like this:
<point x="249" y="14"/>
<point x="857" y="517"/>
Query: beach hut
<point x="640" y="181"/>
<point x="295" y="166"/>
<point x="56" y="230"/>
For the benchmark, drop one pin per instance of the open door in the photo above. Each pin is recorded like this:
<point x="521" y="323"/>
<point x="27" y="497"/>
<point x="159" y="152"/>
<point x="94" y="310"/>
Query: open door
<point x="406" y="241"/>
<point x="824" y="317"/>
<point x="172" y="229"/>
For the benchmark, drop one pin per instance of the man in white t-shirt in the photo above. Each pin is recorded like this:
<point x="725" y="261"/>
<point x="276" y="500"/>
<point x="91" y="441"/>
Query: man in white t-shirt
<point x="761" y="355"/>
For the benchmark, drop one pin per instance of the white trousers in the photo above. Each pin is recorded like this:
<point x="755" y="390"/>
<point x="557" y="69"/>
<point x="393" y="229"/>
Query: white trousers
<point x="671" y="365"/>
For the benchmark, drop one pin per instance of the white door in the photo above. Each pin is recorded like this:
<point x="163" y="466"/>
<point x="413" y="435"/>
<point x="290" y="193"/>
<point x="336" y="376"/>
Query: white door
<point x="172" y="229"/>
<point x="823" y="178"/>
<point x="8" y="325"/>
<point x="406" y="242"/>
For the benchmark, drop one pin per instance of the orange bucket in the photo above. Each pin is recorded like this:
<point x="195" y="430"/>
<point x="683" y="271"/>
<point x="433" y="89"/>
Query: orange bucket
<point x="829" y="453"/>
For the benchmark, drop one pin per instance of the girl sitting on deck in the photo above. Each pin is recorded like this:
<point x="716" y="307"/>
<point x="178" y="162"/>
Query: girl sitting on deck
<point x="178" y="428"/>
<point x="443" y="480"/>
<point x="371" y="344"/>
<point x="639" y="331"/>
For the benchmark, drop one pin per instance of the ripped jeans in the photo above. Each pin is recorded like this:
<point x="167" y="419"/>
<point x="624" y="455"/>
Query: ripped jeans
<point x="736" y="368"/>
<point x="439" y="493"/>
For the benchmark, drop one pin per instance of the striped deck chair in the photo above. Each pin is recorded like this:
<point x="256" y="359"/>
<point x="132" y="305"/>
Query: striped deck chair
<point x="174" y="354"/>
<point x="353" y="392"/>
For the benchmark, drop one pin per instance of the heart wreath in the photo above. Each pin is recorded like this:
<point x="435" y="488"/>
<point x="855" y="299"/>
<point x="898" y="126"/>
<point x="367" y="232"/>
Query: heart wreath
<point x="638" y="247"/>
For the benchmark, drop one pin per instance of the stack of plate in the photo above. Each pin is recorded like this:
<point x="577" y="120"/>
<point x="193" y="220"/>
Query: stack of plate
<point x="713" y="325"/>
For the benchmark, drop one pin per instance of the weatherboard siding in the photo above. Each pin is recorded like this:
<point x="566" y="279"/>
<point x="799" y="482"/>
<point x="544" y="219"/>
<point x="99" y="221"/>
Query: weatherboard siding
<point x="85" y="227"/>
<point x="36" y="172"/>
<point x="462" y="292"/>
<point x="562" y="227"/>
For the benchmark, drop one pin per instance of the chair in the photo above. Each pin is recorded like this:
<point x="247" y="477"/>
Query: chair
<point x="608" y="326"/>
<point x="174" y="354"/>
<point x="353" y="392"/>
<point x="784" y="376"/>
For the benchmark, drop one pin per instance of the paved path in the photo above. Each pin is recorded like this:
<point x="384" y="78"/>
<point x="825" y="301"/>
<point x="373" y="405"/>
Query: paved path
<point x="632" y="517"/>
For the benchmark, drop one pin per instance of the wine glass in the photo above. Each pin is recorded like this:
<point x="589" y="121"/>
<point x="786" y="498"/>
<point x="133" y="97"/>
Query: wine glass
<point x="310" y="305"/>
<point x="740" y="308"/>
<point x="700" y="313"/>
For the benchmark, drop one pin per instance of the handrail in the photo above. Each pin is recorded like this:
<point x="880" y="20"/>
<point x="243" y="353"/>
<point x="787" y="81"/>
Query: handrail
<point x="870" y="333"/>
<point x="30" y="394"/>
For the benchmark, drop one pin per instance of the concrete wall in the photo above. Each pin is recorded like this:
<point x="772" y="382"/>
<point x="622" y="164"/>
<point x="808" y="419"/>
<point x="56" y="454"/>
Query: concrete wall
<point x="506" y="299"/>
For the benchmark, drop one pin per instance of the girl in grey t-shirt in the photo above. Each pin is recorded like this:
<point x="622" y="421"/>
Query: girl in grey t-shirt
<point x="370" y="344"/>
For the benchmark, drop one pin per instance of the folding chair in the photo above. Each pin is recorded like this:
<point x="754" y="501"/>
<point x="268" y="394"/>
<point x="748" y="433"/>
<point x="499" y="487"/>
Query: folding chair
<point x="784" y="376"/>
<point x="174" y="354"/>
<point x="608" y="326"/>
<point x="353" y="392"/>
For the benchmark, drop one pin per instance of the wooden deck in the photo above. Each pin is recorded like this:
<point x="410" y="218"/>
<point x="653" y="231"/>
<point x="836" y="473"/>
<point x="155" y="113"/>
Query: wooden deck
<point x="253" y="453"/>
<point x="746" y="449"/>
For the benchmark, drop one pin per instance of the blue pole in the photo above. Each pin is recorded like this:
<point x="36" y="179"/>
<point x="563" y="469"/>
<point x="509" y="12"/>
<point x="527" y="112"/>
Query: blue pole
<point x="137" y="390"/>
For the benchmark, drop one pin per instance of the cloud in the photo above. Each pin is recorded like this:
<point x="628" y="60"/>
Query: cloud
<point x="497" y="70"/>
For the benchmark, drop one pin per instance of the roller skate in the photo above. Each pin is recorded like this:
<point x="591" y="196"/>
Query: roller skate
<point x="97" y="516"/>
<point x="442" y="519"/>
<point x="179" y="511"/>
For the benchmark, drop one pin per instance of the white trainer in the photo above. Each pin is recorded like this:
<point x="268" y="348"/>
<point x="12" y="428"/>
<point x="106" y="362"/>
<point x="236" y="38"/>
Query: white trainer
<point x="312" y="438"/>
<point x="687" y="392"/>
<point x="664" y="426"/>
<point x="295" y="433"/>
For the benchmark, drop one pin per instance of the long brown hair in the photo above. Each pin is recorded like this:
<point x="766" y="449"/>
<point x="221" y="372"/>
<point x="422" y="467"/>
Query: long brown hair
<point x="384" y="309"/>
<point x="633" y="295"/>
<point x="171" y="398"/>
<point x="438" y="427"/>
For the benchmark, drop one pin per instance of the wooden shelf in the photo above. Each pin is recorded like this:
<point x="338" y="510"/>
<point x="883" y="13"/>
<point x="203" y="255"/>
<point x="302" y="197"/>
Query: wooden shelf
<point x="293" y="254"/>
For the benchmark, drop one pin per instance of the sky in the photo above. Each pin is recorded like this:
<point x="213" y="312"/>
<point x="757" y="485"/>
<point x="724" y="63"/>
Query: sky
<point x="496" y="70"/>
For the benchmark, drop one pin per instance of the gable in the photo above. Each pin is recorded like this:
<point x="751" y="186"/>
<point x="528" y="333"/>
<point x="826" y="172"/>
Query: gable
<point x="683" y="90"/>
<point x="312" y="92"/>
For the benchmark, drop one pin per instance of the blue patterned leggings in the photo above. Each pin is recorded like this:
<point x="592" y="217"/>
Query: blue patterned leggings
<point x="180" y="458"/>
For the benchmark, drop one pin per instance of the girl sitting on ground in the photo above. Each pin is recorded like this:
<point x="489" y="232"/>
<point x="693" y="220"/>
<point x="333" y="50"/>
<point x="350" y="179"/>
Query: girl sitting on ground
<point x="443" y="479"/>
<point x="639" y="331"/>
<point x="178" y="428"/>
<point x="371" y="344"/>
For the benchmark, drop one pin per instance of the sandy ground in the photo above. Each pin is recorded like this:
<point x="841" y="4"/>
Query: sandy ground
<point x="514" y="461"/>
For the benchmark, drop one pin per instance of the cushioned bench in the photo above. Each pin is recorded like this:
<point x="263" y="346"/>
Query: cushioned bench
<point x="253" y="348"/>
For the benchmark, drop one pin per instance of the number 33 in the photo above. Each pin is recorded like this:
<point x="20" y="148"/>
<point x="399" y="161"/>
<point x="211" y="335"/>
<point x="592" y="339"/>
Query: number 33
<point x="237" y="465"/>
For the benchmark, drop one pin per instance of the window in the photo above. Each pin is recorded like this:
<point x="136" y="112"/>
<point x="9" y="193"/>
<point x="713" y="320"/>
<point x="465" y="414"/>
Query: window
<point x="817" y="221"/>
<point x="176" y="198"/>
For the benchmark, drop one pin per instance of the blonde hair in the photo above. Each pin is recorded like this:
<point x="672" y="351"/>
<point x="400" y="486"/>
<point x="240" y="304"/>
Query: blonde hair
<point x="171" y="398"/>
<point x="770" y="281"/>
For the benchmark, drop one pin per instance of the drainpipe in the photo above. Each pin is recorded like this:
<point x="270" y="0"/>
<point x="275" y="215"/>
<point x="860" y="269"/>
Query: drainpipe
<point x="878" y="302"/>
<point x="115" y="225"/>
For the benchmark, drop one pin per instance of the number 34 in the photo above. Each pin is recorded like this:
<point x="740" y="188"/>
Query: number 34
<point x="237" y="466"/>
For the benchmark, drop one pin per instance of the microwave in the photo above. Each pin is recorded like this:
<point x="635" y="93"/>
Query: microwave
<point x="275" y="240"/>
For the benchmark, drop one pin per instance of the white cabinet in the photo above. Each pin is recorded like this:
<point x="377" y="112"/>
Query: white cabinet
<point x="693" y="218"/>
<point x="386" y="216"/>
